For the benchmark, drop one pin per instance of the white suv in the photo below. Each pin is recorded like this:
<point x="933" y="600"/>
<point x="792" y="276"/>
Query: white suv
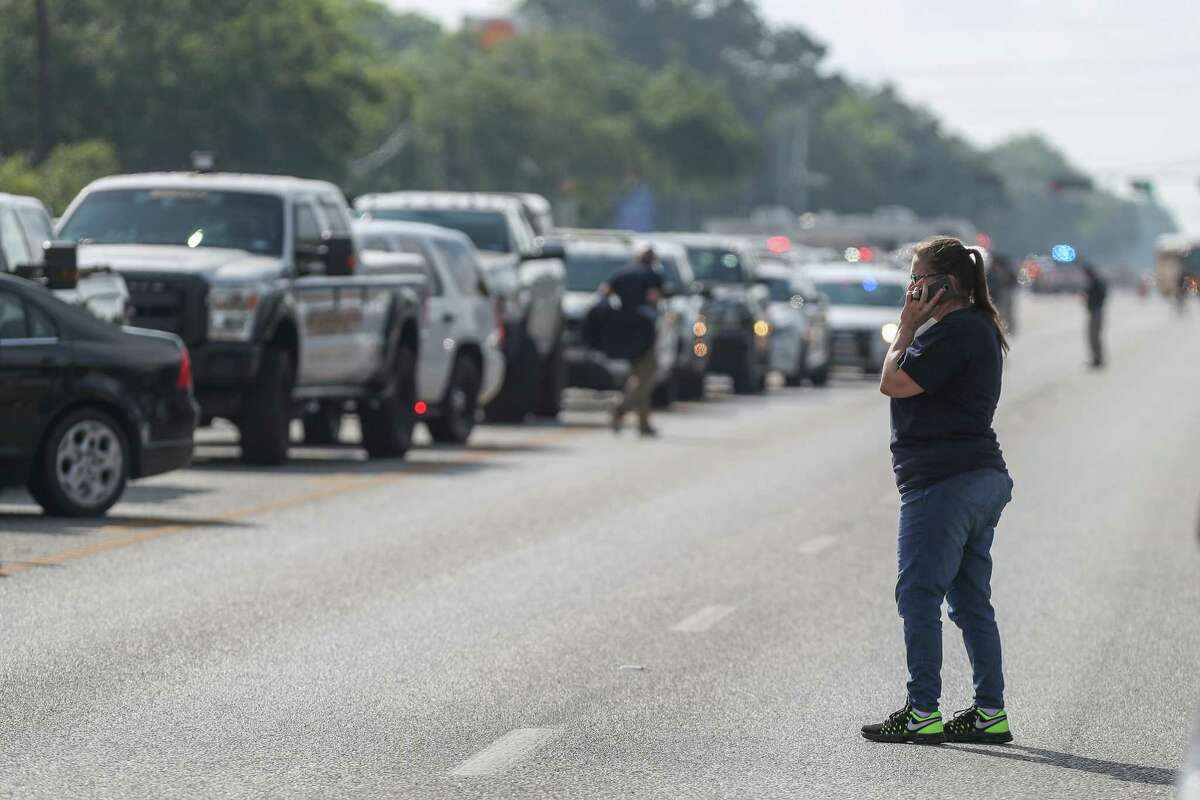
<point x="461" y="365"/>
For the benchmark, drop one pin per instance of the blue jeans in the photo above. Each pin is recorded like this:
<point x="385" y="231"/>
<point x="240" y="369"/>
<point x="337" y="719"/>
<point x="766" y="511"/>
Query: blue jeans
<point x="944" y="553"/>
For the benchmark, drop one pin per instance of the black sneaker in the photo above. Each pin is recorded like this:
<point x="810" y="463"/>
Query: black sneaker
<point x="972" y="725"/>
<point x="905" y="726"/>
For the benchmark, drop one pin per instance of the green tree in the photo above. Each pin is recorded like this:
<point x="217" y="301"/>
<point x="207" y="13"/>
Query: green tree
<point x="561" y="114"/>
<point x="57" y="180"/>
<point x="272" y="85"/>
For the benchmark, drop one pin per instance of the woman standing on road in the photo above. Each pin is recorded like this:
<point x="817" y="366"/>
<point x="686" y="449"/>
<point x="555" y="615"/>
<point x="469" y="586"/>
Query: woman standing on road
<point x="945" y="384"/>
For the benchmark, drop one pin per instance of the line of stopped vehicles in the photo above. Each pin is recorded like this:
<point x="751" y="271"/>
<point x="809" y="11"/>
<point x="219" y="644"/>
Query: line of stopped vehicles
<point x="160" y="302"/>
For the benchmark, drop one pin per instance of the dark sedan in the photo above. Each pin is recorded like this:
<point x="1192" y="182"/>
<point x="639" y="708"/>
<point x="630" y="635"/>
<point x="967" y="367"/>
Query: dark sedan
<point x="85" y="405"/>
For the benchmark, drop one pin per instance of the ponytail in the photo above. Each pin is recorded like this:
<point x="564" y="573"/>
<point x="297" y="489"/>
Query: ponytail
<point x="983" y="297"/>
<point x="966" y="264"/>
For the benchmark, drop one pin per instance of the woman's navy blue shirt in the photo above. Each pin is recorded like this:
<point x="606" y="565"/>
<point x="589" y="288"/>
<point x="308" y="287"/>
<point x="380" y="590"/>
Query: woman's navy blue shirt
<point x="947" y="429"/>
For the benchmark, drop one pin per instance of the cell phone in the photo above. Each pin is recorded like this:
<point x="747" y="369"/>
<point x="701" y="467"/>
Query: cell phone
<point x="936" y="284"/>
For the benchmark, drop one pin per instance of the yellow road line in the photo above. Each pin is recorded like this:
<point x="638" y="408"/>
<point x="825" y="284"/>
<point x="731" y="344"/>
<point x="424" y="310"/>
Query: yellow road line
<point x="121" y="536"/>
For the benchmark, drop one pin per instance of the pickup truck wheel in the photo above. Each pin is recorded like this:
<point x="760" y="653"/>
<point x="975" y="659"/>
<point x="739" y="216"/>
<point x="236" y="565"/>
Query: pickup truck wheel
<point x="266" y="419"/>
<point x="83" y="465"/>
<point x="515" y="400"/>
<point x="387" y="421"/>
<point x="324" y="425"/>
<point x="554" y="381"/>
<point x="460" y="405"/>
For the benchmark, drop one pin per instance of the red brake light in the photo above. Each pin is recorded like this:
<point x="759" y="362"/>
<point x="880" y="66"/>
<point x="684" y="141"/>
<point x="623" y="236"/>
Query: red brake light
<point x="184" y="379"/>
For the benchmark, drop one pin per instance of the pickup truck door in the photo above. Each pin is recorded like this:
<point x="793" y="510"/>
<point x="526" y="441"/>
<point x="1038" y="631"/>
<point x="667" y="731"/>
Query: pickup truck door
<point x="544" y="279"/>
<point x="31" y="366"/>
<point x="338" y="346"/>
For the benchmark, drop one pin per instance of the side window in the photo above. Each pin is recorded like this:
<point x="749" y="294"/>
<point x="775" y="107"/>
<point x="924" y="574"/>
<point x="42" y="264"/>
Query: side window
<point x="461" y="265"/>
<point x="40" y="324"/>
<point x="335" y="215"/>
<point x="308" y="230"/>
<point x="12" y="240"/>
<point x="37" y="228"/>
<point x="12" y="317"/>
<point x="522" y="242"/>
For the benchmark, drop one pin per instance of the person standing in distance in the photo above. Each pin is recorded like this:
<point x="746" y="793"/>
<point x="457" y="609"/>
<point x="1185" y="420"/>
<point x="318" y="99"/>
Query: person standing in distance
<point x="1095" y="293"/>
<point x="944" y="386"/>
<point x="639" y="288"/>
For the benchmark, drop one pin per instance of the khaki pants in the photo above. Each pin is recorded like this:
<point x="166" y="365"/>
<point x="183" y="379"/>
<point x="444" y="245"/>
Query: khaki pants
<point x="640" y="387"/>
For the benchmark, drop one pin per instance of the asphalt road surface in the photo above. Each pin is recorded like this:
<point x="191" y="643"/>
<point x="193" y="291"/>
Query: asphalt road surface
<point x="555" y="612"/>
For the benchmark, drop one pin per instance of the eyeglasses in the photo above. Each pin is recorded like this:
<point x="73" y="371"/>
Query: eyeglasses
<point x="914" y="279"/>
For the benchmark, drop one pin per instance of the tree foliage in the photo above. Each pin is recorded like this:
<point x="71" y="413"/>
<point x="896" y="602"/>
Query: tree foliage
<point x="705" y="101"/>
<point x="60" y="177"/>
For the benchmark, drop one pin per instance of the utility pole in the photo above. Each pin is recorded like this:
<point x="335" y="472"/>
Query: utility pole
<point x="45" y="136"/>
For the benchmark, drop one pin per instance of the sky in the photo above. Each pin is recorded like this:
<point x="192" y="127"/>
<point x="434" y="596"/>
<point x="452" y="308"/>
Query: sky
<point x="1115" y="84"/>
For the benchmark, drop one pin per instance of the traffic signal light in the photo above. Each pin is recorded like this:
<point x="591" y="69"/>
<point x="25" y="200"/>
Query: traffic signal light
<point x="1142" y="185"/>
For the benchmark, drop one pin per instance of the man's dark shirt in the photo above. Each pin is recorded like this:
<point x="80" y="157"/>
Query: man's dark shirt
<point x="947" y="429"/>
<point x="633" y="284"/>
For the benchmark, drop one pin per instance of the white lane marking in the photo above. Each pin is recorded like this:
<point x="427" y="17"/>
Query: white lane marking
<point x="506" y="752"/>
<point x="704" y="619"/>
<point x="813" y="546"/>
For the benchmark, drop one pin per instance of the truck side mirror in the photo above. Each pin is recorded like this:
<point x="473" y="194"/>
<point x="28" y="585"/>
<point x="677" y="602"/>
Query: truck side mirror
<point x="59" y="268"/>
<point x="338" y="256"/>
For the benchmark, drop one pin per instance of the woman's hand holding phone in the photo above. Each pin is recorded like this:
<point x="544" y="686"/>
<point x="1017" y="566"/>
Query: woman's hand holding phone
<point x="920" y="303"/>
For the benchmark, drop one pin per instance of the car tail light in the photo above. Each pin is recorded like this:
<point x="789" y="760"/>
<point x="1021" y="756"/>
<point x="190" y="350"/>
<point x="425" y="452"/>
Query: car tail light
<point x="184" y="379"/>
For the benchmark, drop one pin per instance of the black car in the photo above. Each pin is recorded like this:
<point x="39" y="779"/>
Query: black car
<point x="735" y="311"/>
<point x="86" y="405"/>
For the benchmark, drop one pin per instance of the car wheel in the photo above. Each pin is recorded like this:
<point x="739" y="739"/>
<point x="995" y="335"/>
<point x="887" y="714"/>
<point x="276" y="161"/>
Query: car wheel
<point x="554" y="381"/>
<point x="83" y="465"/>
<point x="797" y="376"/>
<point x="666" y="392"/>
<point x="266" y="419"/>
<point x="324" y="425"/>
<point x="460" y="405"/>
<point x="751" y="377"/>
<point x="820" y="377"/>
<point x="387" y="420"/>
<point x="515" y="400"/>
<point x="691" y="385"/>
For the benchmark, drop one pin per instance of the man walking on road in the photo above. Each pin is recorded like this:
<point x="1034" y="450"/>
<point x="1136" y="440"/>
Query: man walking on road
<point x="639" y="288"/>
<point x="1095" y="294"/>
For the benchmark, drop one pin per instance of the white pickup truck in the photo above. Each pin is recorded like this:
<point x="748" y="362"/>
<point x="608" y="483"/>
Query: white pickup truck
<point x="523" y="271"/>
<point x="461" y="362"/>
<point x="25" y="229"/>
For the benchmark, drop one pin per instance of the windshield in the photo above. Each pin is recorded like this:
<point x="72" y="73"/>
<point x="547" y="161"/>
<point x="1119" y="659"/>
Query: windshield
<point x="863" y="292"/>
<point x="195" y="218"/>
<point x="585" y="273"/>
<point x="781" y="290"/>
<point x="487" y="229"/>
<point x="670" y="273"/>
<point x="716" y="265"/>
